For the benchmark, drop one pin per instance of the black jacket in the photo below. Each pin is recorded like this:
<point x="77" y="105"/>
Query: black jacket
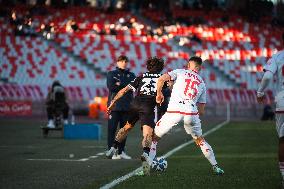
<point x="123" y="77"/>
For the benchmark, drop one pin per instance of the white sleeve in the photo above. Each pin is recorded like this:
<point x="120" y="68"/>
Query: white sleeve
<point x="202" y="97"/>
<point x="270" y="66"/>
<point x="173" y="74"/>
<point x="267" y="77"/>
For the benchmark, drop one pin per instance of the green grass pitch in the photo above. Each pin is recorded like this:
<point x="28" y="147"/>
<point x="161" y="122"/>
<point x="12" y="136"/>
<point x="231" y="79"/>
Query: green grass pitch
<point x="247" y="151"/>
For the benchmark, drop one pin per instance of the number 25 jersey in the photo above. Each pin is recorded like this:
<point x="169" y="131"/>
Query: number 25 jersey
<point x="189" y="89"/>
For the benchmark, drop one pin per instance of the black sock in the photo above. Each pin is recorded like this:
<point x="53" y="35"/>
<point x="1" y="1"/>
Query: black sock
<point x="146" y="150"/>
<point x="116" y="144"/>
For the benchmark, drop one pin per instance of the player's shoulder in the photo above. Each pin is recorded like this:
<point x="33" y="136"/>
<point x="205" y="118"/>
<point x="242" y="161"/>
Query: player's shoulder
<point x="178" y="70"/>
<point x="112" y="72"/>
<point x="278" y="56"/>
<point x="130" y="73"/>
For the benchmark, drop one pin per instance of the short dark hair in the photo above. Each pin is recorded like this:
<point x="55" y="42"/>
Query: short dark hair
<point x="55" y="84"/>
<point x="122" y="58"/>
<point x="155" y="64"/>
<point x="196" y="59"/>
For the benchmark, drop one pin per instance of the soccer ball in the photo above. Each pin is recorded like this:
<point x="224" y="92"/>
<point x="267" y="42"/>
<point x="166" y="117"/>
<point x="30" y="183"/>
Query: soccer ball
<point x="159" y="164"/>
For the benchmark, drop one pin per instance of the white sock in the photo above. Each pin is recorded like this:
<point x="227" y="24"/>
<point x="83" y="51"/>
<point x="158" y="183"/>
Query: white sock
<point x="153" y="149"/>
<point x="208" y="152"/>
<point x="281" y="166"/>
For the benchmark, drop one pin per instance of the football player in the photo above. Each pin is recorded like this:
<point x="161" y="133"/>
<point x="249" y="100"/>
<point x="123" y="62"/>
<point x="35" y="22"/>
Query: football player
<point x="142" y="108"/>
<point x="187" y="102"/>
<point x="275" y="66"/>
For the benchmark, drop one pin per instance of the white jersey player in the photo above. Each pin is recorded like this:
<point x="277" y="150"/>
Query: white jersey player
<point x="187" y="101"/>
<point x="275" y="66"/>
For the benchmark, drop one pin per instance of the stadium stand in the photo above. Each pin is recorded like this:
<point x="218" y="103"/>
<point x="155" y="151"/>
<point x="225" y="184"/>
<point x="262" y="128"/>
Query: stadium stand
<point x="234" y="48"/>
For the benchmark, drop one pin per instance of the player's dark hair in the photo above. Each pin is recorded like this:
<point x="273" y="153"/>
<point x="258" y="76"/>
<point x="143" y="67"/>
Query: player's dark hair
<point x="122" y="58"/>
<point x="196" y="59"/>
<point x="283" y="38"/>
<point x="155" y="64"/>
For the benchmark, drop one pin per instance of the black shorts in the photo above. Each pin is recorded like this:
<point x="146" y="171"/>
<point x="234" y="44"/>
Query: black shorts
<point x="143" y="109"/>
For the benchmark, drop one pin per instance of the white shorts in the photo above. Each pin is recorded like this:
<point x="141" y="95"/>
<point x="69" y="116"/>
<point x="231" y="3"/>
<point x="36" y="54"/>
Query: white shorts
<point x="192" y="124"/>
<point x="279" y="99"/>
<point x="280" y="124"/>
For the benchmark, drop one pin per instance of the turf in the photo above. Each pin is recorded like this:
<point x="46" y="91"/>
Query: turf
<point x="246" y="151"/>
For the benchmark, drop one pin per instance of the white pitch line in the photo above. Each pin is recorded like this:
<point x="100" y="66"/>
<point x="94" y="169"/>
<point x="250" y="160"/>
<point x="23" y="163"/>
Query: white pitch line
<point x="127" y="176"/>
<point x="56" y="159"/>
<point x="82" y="159"/>
<point x="100" y="154"/>
<point x="18" y="146"/>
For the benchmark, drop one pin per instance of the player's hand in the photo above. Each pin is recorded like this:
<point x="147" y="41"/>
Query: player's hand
<point x="109" y="108"/>
<point x="260" y="100"/>
<point x="260" y="97"/>
<point x="160" y="98"/>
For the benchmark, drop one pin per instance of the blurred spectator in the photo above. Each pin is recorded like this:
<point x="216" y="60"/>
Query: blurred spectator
<point x="56" y="101"/>
<point x="71" y="26"/>
<point x="14" y="20"/>
<point x="74" y="26"/>
<point x="48" y="31"/>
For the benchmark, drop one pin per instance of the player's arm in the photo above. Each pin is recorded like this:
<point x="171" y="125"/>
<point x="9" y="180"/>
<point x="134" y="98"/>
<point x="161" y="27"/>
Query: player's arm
<point x="267" y="77"/>
<point x="120" y="94"/>
<point x="201" y="108"/>
<point x="160" y="84"/>
<point x="202" y="101"/>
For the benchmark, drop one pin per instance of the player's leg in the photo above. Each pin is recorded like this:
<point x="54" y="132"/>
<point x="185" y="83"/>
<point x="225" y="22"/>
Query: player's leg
<point x="112" y="126"/>
<point x="192" y="126"/>
<point x="65" y="113"/>
<point x="153" y="148"/>
<point x="280" y="129"/>
<point x="123" y="122"/>
<point x="50" y="110"/>
<point x="146" y="144"/>
<point x="161" y="110"/>
<point x="122" y="133"/>
<point x="147" y="138"/>
<point x="163" y="126"/>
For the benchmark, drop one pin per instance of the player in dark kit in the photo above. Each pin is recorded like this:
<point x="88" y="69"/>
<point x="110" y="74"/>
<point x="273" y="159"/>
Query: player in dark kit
<point x="142" y="107"/>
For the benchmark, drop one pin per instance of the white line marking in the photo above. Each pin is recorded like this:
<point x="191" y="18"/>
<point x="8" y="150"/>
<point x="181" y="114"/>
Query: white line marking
<point x="18" y="146"/>
<point x="93" y="146"/>
<point x="100" y="154"/>
<point x="127" y="176"/>
<point x="82" y="159"/>
<point x="56" y="159"/>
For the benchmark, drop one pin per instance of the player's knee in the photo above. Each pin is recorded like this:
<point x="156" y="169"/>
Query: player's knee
<point x="155" y="137"/>
<point x="147" y="131"/>
<point x="128" y="127"/>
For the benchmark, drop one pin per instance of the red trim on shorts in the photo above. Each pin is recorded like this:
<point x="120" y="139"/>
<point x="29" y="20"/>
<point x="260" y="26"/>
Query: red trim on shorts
<point x="279" y="112"/>
<point x="158" y="124"/>
<point x="183" y="113"/>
